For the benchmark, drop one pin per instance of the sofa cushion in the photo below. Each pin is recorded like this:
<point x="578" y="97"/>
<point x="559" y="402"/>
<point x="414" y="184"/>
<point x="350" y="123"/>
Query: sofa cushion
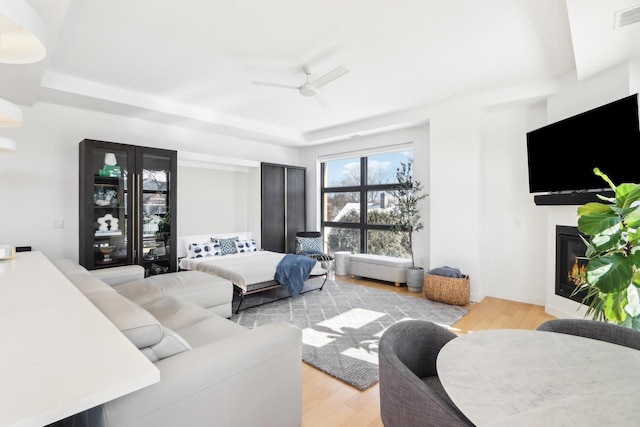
<point x="115" y="275"/>
<point x="387" y="261"/>
<point x="170" y="344"/>
<point x="81" y="277"/>
<point x="135" y="322"/>
<point x="211" y="329"/>
<point x="67" y="266"/>
<point x="203" y="289"/>
<point x="175" y="313"/>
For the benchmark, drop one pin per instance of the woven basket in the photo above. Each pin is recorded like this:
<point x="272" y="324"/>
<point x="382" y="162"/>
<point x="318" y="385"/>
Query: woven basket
<point x="450" y="290"/>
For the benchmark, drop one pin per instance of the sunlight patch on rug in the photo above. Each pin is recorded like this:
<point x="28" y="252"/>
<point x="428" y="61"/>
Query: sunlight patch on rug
<point x="343" y="323"/>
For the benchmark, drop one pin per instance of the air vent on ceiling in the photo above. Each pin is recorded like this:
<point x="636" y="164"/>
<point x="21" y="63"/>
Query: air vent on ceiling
<point x="625" y="17"/>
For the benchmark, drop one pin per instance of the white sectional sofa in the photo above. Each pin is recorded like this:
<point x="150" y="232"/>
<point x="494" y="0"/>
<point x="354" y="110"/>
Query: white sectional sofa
<point x="213" y="371"/>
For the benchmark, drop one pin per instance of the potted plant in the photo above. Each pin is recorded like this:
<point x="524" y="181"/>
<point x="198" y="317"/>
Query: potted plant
<point x="612" y="275"/>
<point x="407" y="217"/>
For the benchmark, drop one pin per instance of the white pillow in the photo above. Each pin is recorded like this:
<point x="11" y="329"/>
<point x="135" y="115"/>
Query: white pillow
<point x="203" y="249"/>
<point x="244" y="245"/>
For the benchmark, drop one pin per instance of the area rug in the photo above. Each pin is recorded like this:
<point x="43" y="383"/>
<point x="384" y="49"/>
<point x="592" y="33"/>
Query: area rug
<point x="342" y="324"/>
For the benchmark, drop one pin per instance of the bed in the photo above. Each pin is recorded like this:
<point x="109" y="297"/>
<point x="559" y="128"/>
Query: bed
<point x="250" y="272"/>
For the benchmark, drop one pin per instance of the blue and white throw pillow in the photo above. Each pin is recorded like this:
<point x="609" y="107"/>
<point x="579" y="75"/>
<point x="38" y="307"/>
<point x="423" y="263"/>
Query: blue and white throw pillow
<point x="201" y="250"/>
<point x="244" y="246"/>
<point x="309" y="245"/>
<point x="227" y="246"/>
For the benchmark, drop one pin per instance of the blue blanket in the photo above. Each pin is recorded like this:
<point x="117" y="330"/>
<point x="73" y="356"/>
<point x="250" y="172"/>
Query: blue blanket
<point x="292" y="271"/>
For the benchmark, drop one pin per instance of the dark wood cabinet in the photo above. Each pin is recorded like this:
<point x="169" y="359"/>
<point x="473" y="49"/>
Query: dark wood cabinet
<point x="283" y="206"/>
<point x="127" y="206"/>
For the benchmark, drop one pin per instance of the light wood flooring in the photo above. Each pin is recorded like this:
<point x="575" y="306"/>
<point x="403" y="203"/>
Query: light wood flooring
<point x="332" y="403"/>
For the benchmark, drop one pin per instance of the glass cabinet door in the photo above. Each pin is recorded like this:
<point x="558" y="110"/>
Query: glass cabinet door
<point x="106" y="215"/>
<point x="127" y="206"/>
<point x="157" y="202"/>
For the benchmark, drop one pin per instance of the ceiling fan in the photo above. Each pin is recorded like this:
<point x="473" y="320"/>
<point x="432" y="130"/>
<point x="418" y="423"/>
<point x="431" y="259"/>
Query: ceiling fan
<point x="311" y="86"/>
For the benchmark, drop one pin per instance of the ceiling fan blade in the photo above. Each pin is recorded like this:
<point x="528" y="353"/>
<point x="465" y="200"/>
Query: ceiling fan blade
<point x="255" y="82"/>
<point x="329" y="77"/>
<point x="321" y="101"/>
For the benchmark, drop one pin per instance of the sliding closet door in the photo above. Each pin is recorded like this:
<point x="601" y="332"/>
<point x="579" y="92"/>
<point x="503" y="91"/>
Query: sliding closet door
<point x="273" y="204"/>
<point x="283" y="206"/>
<point x="295" y="206"/>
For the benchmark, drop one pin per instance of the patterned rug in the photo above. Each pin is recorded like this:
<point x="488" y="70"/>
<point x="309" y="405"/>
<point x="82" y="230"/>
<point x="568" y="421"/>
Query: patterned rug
<point x="341" y="324"/>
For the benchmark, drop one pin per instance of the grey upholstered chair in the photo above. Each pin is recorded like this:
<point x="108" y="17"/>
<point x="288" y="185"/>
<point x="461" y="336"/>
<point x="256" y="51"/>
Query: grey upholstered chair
<point x="410" y="391"/>
<point x="594" y="329"/>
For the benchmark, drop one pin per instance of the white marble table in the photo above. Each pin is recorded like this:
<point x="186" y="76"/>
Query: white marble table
<point x="59" y="355"/>
<point x="534" y="378"/>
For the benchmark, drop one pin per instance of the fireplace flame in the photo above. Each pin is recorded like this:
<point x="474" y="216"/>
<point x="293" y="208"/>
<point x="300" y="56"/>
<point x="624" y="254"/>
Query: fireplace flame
<point x="577" y="273"/>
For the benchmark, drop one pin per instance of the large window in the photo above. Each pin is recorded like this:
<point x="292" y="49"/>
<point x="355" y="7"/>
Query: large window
<point x="357" y="204"/>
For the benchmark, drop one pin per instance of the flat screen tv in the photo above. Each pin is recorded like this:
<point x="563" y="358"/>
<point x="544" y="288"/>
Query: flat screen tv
<point x="562" y="155"/>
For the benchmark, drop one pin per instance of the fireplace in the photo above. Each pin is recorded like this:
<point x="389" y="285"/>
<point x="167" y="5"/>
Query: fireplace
<point x="570" y="262"/>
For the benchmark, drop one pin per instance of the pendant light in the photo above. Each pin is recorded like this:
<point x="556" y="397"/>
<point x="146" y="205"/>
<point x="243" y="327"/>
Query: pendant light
<point x="22" y="33"/>
<point x="10" y="114"/>
<point x="22" y="41"/>
<point x="7" y="145"/>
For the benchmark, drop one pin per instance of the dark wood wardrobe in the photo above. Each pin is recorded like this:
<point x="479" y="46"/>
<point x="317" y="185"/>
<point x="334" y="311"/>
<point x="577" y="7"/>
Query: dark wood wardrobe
<point x="283" y="206"/>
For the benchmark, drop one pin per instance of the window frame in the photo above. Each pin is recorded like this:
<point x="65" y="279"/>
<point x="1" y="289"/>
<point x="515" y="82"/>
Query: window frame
<point x="363" y="226"/>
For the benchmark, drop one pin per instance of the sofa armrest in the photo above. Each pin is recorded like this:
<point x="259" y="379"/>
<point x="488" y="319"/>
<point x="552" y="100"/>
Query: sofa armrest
<point x="118" y="275"/>
<point x="217" y="383"/>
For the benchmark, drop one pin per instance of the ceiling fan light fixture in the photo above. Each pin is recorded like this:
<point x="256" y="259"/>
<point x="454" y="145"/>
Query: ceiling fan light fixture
<point x="10" y="114"/>
<point x="7" y="145"/>
<point x="307" y="90"/>
<point x="22" y="33"/>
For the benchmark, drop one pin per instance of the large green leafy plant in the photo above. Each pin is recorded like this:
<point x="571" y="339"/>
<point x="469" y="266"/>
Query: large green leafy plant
<point x="612" y="276"/>
<point x="407" y="196"/>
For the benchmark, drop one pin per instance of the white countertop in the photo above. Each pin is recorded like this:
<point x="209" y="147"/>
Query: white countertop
<point x="534" y="378"/>
<point x="59" y="355"/>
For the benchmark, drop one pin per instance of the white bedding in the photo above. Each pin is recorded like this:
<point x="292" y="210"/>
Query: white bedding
<point x="244" y="269"/>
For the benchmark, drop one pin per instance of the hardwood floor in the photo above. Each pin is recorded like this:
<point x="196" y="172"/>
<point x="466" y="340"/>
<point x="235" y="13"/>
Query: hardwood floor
<point x="331" y="403"/>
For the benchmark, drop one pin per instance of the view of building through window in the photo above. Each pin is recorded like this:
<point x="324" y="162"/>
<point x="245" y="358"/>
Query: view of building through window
<point x="357" y="213"/>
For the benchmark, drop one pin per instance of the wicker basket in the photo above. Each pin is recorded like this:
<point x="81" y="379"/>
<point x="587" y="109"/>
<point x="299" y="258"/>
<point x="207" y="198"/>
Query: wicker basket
<point x="449" y="290"/>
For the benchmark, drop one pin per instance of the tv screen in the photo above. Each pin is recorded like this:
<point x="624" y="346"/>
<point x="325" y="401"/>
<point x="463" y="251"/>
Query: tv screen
<point x="562" y="155"/>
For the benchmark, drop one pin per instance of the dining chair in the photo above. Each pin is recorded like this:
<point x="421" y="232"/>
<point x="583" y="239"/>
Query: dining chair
<point x="594" y="329"/>
<point x="410" y="392"/>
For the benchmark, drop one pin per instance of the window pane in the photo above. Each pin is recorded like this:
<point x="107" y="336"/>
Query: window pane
<point x="342" y="173"/>
<point x="342" y="207"/>
<point x="342" y="239"/>
<point x="390" y="243"/>
<point x="379" y="208"/>
<point x="381" y="168"/>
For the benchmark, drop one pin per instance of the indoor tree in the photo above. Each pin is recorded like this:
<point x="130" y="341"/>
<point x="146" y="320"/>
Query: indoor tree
<point x="407" y="196"/>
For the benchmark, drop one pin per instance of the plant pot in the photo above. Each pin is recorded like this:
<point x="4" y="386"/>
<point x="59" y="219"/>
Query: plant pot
<point x="415" y="279"/>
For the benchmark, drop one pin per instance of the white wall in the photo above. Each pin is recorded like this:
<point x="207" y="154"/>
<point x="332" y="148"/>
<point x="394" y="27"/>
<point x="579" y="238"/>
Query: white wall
<point x="214" y="201"/>
<point x="39" y="183"/>
<point x="479" y="215"/>
<point x="512" y="227"/>
<point x="456" y="191"/>
<point x="576" y="97"/>
<point x="483" y="219"/>
<point x="634" y="76"/>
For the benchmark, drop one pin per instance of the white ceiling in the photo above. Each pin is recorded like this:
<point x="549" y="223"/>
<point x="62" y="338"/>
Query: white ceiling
<point x="192" y="63"/>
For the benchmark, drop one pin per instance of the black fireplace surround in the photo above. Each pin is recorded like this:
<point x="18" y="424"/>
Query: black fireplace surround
<point x="570" y="262"/>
